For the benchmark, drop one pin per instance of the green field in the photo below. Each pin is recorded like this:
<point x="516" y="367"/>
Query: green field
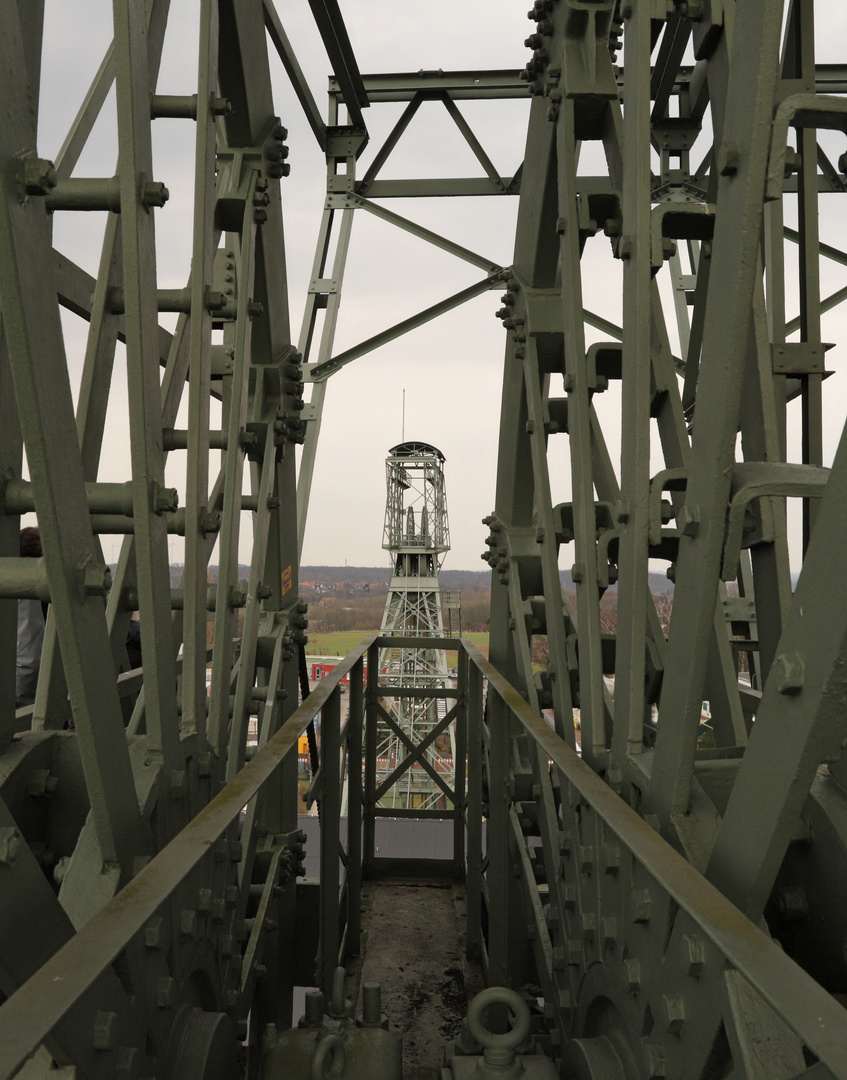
<point x="343" y="642"/>
<point x="337" y="644"/>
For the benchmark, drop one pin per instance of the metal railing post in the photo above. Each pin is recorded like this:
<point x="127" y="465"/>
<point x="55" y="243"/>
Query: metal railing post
<point x="370" y="760"/>
<point x="473" y="898"/>
<point x="330" y="841"/>
<point x="497" y="842"/>
<point x="354" y="809"/>
<point x="459" y="766"/>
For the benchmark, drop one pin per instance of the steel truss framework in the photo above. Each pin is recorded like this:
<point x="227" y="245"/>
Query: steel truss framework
<point x="417" y="536"/>
<point x="651" y="876"/>
<point x="134" y="776"/>
<point x="748" y="813"/>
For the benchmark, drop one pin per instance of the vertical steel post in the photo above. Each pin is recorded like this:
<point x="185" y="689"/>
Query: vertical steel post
<point x="802" y="15"/>
<point x="355" y="793"/>
<point x="497" y="844"/>
<point x="460" y="766"/>
<point x="738" y="231"/>
<point x="33" y="334"/>
<point x="142" y="351"/>
<point x="330" y="841"/>
<point x="637" y="376"/>
<point x="584" y="571"/>
<point x="473" y="900"/>
<point x="11" y="446"/>
<point x="200" y="365"/>
<point x="371" y="719"/>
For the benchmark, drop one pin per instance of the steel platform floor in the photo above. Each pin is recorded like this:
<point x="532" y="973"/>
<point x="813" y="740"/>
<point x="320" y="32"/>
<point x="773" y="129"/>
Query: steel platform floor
<point x="414" y="947"/>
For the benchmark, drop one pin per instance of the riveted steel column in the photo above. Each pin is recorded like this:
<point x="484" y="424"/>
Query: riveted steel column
<point x="205" y="242"/>
<point x="51" y="707"/>
<point x="591" y="695"/>
<point x="734" y="262"/>
<point x="633" y="592"/>
<point x="32" y="329"/>
<point x="141" y="322"/>
<point x="324" y="352"/>
<point x="238" y="337"/>
<point x="10" y="461"/>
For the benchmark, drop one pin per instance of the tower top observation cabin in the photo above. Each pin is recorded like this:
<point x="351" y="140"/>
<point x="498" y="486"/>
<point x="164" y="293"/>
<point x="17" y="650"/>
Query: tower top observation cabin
<point x="415" y="506"/>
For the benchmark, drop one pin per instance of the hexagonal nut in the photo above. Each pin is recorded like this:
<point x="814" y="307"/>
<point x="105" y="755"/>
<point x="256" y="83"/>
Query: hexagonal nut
<point x="178" y="783"/>
<point x="153" y="933"/>
<point x="694" y="955"/>
<point x="127" y="1063"/>
<point x="188" y="922"/>
<point x="729" y="158"/>
<point x="612" y="858"/>
<point x="793" y="903"/>
<point x="105" y="1031"/>
<point x="674" y="1013"/>
<point x="789" y="673"/>
<point x="165" y="992"/>
<point x="689" y="521"/>
<point x="154" y="194"/>
<point x="10" y="843"/>
<point x="640" y="905"/>
<point x="39" y="176"/>
<point x="632" y="972"/>
<point x="656" y="1060"/>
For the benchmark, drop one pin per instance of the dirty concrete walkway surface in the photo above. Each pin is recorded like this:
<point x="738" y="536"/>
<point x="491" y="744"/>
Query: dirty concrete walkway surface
<point x="415" y="949"/>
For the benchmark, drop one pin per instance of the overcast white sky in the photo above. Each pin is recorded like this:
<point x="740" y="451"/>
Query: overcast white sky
<point x="451" y="369"/>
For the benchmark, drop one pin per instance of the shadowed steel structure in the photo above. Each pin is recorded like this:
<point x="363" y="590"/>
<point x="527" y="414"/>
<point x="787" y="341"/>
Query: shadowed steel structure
<point x="670" y="906"/>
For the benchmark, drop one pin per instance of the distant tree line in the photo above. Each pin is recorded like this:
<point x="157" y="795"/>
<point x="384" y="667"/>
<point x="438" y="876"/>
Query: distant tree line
<point x="363" y="611"/>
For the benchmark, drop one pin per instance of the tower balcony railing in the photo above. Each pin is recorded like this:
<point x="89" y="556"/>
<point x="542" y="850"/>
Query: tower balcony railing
<point x="516" y="795"/>
<point x="423" y="541"/>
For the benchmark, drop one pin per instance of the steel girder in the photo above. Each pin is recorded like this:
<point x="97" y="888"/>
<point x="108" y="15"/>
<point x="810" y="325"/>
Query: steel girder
<point x="705" y="383"/>
<point x="109" y="765"/>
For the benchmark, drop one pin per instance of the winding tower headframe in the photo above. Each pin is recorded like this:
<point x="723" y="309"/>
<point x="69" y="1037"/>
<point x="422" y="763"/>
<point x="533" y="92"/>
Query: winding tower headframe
<point x="417" y="534"/>
<point x="633" y="883"/>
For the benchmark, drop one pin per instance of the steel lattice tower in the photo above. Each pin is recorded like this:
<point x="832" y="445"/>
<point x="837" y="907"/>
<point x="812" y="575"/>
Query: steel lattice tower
<point x="417" y="535"/>
<point x="668" y="309"/>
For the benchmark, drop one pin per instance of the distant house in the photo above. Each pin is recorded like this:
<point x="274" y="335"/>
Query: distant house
<point x="321" y="666"/>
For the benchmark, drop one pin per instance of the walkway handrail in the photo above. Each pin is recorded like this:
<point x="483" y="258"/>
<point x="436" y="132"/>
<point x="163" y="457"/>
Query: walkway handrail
<point x="794" y="995"/>
<point x="32" y="1012"/>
